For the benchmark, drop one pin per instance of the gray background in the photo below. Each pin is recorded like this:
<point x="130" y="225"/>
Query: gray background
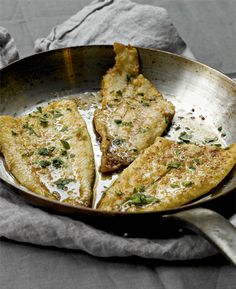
<point x="209" y="27"/>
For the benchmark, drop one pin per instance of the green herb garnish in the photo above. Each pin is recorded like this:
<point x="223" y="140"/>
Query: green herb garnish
<point x="46" y="151"/>
<point x="44" y="163"/>
<point x="119" y="93"/>
<point x="118" y="141"/>
<point x="142" y="130"/>
<point x="178" y="127"/>
<point x="210" y="139"/>
<point x="127" y="123"/>
<point x="197" y="161"/>
<point x="191" y="167"/>
<point x="185" y="137"/>
<point x="44" y="120"/>
<point x="174" y="185"/>
<point x="174" y="165"/>
<point x="118" y="121"/>
<point x="141" y="199"/>
<point x="29" y="128"/>
<point x="63" y="152"/>
<point x="57" y="163"/>
<point x="14" y="133"/>
<point x="144" y="103"/>
<point x="220" y="128"/>
<point x="65" y="144"/>
<point x="39" y="109"/>
<point x="57" y="114"/>
<point x="62" y="183"/>
<point x="65" y="128"/>
<point x="187" y="184"/>
<point x="141" y="189"/>
<point x="119" y="193"/>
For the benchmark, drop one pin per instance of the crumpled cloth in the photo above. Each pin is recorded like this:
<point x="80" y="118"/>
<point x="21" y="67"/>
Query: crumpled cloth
<point x="101" y="22"/>
<point x="8" y="50"/>
<point x="109" y="21"/>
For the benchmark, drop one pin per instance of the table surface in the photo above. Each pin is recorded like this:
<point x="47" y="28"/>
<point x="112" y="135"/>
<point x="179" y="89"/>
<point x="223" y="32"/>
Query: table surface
<point x="209" y="27"/>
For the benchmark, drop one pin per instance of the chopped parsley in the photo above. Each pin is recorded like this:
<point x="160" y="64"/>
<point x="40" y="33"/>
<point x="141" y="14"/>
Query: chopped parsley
<point x="57" y="113"/>
<point x="174" y="165"/>
<point x="62" y="183"/>
<point x="142" y="189"/>
<point x="144" y="103"/>
<point x="44" y="120"/>
<point x="63" y="152"/>
<point x="46" y="151"/>
<point x="178" y="127"/>
<point x="191" y="167"/>
<point x="187" y="184"/>
<point x="140" y="199"/>
<point x="174" y="185"/>
<point x="118" y="141"/>
<point x="119" y="93"/>
<point x="197" y="161"/>
<point x="14" y="133"/>
<point x="142" y="130"/>
<point x="119" y="193"/>
<point x="29" y="128"/>
<point x="127" y="123"/>
<point x="185" y="137"/>
<point x="65" y="144"/>
<point x="210" y="139"/>
<point x="117" y="121"/>
<point x="65" y="128"/>
<point x="220" y="128"/>
<point x="39" y="109"/>
<point x="141" y="93"/>
<point x="44" y="163"/>
<point x="57" y="163"/>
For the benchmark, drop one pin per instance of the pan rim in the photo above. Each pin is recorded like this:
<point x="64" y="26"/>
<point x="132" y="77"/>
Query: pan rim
<point x="198" y="203"/>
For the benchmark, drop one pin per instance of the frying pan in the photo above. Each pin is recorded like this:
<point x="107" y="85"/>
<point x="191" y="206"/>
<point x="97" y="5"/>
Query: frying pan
<point x="202" y="95"/>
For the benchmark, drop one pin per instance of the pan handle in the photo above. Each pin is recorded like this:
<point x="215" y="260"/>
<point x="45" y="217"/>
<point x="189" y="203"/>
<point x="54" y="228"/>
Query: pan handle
<point x="213" y="226"/>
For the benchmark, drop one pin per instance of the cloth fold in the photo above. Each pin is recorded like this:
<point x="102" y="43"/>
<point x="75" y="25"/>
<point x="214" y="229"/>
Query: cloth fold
<point x="109" y="21"/>
<point x="8" y="50"/>
<point x="25" y="223"/>
<point x="101" y="22"/>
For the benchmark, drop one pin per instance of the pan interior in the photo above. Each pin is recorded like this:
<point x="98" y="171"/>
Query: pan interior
<point x="205" y="100"/>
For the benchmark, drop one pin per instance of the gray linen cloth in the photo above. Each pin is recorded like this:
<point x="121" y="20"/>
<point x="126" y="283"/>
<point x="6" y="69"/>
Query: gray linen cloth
<point x="8" y="51"/>
<point x="101" y="22"/>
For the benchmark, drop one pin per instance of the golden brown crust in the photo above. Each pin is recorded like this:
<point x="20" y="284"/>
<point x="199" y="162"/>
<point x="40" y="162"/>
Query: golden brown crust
<point x="49" y="152"/>
<point x="168" y="175"/>
<point x="133" y="111"/>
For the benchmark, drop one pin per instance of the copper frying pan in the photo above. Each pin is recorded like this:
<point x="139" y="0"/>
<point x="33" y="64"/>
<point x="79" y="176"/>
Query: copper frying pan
<point x="202" y="95"/>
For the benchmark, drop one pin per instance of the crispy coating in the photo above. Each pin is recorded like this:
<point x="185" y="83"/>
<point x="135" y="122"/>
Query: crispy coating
<point x="49" y="152"/>
<point x="168" y="175"/>
<point x="133" y="111"/>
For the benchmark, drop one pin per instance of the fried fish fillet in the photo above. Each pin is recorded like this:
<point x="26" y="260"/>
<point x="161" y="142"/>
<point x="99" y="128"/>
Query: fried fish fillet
<point x="49" y="152"/>
<point x="168" y="175"/>
<point x="133" y="111"/>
